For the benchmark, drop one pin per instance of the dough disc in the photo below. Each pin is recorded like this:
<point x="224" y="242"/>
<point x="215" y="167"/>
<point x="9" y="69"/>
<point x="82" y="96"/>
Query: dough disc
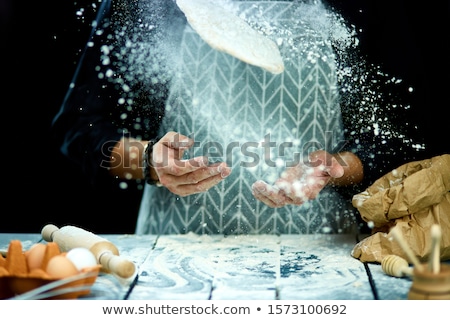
<point x="226" y="32"/>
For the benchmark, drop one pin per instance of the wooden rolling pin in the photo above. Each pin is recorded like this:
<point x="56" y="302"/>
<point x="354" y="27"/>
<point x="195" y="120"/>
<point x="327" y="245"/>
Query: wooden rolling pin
<point x="105" y="252"/>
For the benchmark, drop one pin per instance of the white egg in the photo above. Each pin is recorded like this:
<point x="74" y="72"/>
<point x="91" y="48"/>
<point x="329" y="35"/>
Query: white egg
<point x="81" y="258"/>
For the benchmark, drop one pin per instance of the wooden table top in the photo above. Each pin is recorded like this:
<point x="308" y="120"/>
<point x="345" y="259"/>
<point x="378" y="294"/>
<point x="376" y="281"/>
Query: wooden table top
<point x="252" y="267"/>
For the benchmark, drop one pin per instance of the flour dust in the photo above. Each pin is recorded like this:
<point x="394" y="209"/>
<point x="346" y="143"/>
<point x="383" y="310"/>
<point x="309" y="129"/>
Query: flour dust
<point x="143" y="59"/>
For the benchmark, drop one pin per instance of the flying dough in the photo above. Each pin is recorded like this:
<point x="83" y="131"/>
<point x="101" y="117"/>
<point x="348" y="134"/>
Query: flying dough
<point x="226" y="32"/>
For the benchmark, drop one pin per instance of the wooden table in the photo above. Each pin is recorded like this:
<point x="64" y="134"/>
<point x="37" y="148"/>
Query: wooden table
<point x="262" y="267"/>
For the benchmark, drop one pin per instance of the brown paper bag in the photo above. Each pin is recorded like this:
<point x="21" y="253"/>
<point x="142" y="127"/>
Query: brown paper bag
<point x="411" y="198"/>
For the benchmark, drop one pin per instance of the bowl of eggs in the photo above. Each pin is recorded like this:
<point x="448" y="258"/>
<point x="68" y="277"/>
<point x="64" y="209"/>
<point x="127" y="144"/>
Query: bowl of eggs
<point x="44" y="272"/>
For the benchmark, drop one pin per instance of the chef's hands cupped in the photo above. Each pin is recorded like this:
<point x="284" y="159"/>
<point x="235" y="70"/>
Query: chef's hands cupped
<point x="299" y="183"/>
<point x="180" y="176"/>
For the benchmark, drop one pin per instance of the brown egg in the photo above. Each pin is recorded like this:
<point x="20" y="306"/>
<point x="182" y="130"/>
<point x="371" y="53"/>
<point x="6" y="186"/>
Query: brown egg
<point x="35" y="256"/>
<point x="60" y="267"/>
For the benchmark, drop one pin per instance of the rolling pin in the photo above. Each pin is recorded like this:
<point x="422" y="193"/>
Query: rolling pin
<point x="105" y="252"/>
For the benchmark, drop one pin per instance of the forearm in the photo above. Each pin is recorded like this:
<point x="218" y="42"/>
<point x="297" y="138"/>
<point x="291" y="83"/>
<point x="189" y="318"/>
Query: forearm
<point x="127" y="160"/>
<point x="353" y="169"/>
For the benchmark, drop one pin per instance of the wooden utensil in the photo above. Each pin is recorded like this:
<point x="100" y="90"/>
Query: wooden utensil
<point x="105" y="252"/>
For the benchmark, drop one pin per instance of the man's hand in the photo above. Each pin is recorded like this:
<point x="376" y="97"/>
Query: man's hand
<point x="300" y="183"/>
<point x="184" y="177"/>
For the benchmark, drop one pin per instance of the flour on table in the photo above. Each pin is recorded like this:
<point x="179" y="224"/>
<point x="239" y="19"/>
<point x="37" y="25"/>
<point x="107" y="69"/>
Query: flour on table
<point x="226" y="32"/>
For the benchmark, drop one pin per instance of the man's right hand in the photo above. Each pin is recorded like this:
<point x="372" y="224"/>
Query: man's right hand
<point x="184" y="177"/>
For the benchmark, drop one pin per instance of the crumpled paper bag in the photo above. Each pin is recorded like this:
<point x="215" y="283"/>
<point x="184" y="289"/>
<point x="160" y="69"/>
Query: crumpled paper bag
<point x="411" y="198"/>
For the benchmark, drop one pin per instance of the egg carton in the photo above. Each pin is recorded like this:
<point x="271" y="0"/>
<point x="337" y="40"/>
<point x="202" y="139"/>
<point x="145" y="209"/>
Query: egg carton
<point x="19" y="281"/>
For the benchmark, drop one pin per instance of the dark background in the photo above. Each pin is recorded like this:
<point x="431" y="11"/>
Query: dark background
<point x="43" y="43"/>
<point x="40" y="45"/>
